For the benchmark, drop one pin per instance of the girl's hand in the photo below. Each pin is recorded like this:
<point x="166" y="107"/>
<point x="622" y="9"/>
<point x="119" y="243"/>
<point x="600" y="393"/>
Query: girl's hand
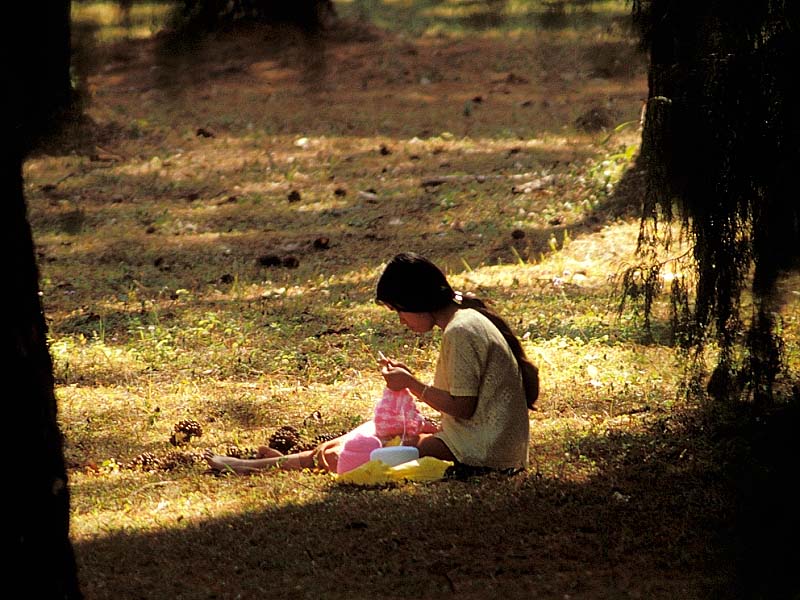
<point x="397" y="376"/>
<point x="383" y="361"/>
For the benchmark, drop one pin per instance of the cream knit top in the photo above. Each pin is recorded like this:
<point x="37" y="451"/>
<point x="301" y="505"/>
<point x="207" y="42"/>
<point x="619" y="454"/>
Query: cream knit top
<point x="475" y="360"/>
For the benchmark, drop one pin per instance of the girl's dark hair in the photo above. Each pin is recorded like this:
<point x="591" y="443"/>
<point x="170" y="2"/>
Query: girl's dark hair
<point x="412" y="283"/>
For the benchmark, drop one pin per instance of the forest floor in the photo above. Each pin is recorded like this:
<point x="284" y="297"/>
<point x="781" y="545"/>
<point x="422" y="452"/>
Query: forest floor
<point x="209" y="241"/>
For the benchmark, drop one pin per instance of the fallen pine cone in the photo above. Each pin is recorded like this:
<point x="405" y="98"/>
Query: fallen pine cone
<point x="184" y="431"/>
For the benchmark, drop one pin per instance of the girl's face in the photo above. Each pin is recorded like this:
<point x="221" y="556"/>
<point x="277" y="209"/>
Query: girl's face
<point x="416" y="322"/>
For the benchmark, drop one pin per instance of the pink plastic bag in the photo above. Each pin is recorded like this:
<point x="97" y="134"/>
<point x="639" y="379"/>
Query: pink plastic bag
<point x="396" y="413"/>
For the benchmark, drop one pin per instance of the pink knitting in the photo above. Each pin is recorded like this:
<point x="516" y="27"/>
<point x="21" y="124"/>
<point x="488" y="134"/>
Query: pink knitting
<point x="396" y="413"/>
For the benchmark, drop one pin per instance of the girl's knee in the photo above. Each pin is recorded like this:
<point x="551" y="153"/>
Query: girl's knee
<point x="323" y="454"/>
<point x="433" y="446"/>
<point x="330" y="458"/>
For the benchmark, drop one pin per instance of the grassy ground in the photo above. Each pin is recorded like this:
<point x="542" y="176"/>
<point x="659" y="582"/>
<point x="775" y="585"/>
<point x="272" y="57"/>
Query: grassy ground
<point x="209" y="248"/>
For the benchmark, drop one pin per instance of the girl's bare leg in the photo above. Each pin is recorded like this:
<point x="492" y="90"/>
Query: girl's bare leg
<point x="245" y="466"/>
<point x="325" y="456"/>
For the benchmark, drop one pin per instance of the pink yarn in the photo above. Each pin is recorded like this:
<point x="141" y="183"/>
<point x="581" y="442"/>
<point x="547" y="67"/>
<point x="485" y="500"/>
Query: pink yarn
<point x="356" y="452"/>
<point x="396" y="413"/>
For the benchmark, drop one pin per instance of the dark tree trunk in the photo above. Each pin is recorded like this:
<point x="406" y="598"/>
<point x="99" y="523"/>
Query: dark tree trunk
<point x="36" y="480"/>
<point x="40" y="558"/>
<point x="37" y="55"/>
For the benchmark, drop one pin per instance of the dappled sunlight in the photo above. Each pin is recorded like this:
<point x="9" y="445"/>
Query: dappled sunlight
<point x="209" y="244"/>
<point x="94" y="358"/>
<point x="209" y="251"/>
<point x="141" y="20"/>
<point x="584" y="376"/>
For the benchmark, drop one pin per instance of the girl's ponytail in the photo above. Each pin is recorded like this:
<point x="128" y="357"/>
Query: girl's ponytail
<point x="529" y="371"/>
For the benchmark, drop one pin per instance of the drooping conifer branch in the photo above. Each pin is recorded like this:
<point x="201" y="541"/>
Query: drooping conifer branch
<point x="720" y="134"/>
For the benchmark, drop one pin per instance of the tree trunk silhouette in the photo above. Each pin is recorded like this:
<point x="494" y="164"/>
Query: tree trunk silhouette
<point x="36" y="481"/>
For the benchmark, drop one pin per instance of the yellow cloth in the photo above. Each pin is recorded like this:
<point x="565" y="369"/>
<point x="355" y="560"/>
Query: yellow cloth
<point x="376" y="472"/>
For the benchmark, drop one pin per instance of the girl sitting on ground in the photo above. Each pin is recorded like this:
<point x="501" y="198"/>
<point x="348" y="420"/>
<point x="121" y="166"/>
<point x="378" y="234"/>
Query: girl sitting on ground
<point x="483" y="384"/>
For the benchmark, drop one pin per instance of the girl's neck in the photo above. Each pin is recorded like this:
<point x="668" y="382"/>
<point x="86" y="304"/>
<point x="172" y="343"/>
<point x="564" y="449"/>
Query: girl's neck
<point x="444" y="315"/>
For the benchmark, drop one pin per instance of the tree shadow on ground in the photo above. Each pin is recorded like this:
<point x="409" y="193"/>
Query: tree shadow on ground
<point x="183" y="72"/>
<point x="695" y="506"/>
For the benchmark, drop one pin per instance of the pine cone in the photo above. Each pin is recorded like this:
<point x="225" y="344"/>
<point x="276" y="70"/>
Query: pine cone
<point x="237" y="452"/>
<point x="285" y="439"/>
<point x="146" y="461"/>
<point x="184" y="431"/>
<point x="233" y="451"/>
<point x="176" y="458"/>
<point x="195" y="456"/>
<point x="316" y="441"/>
<point x="304" y="446"/>
<point x="324" y="437"/>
